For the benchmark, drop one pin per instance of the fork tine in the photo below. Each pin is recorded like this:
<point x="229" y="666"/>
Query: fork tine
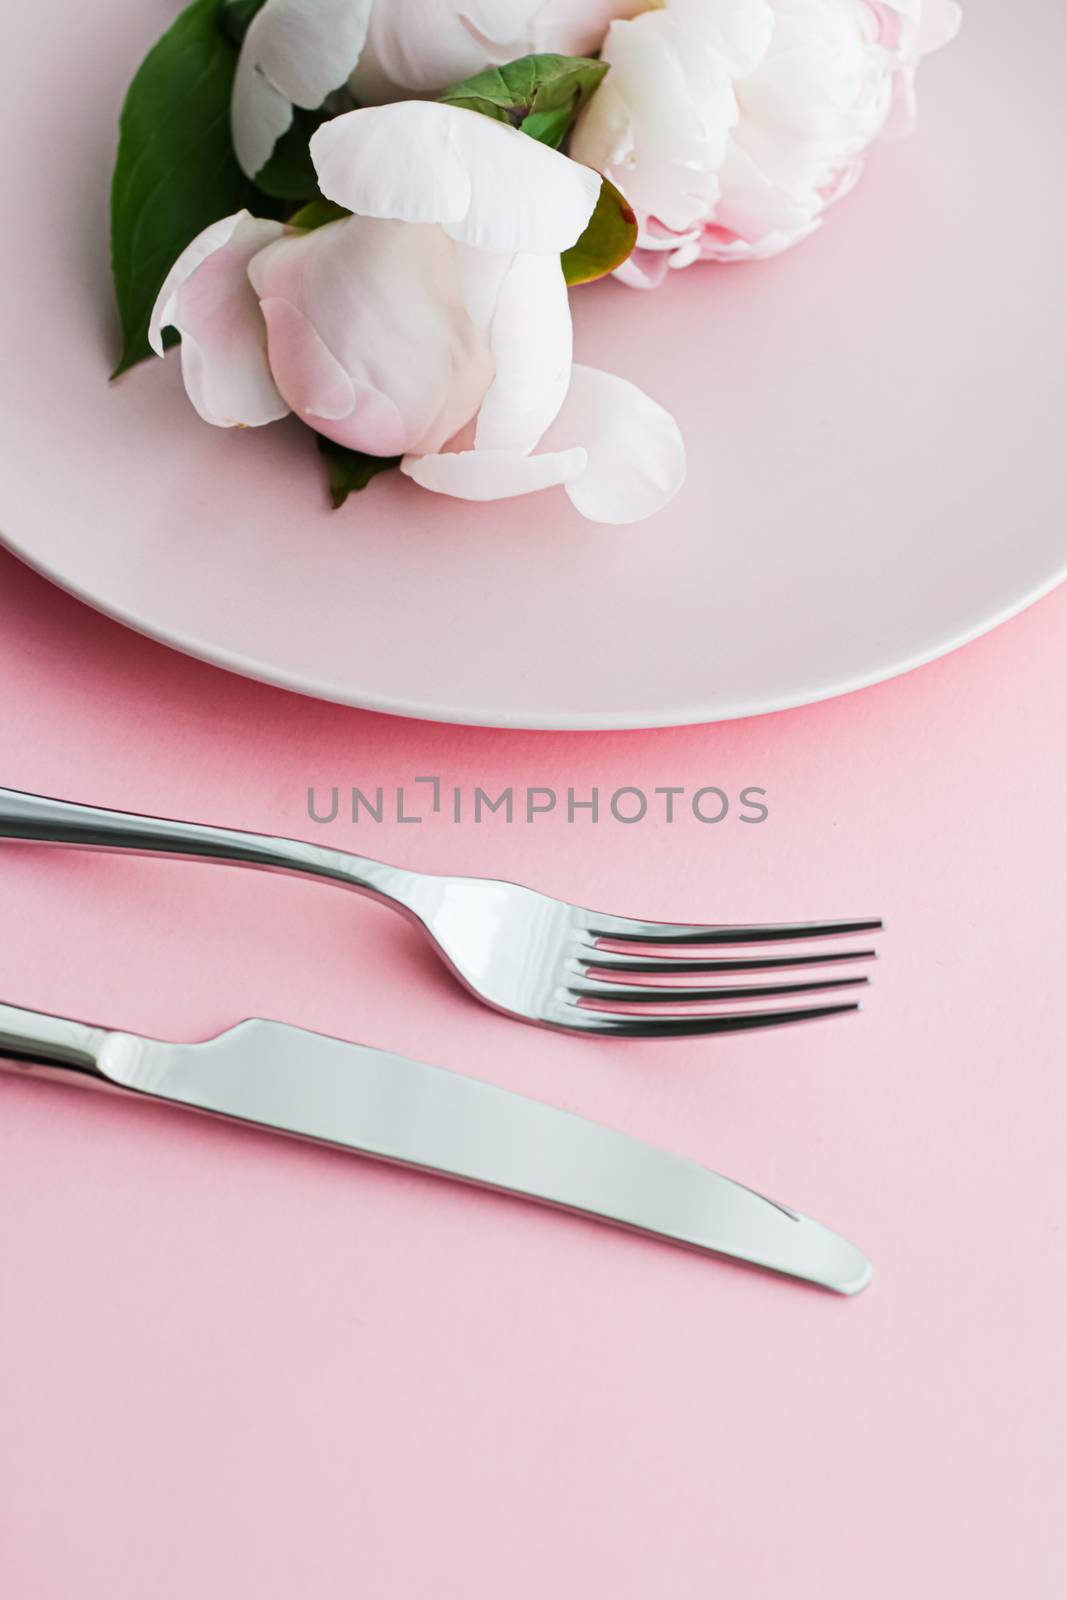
<point x="626" y="930"/>
<point x="593" y="959"/>
<point x="632" y="994"/>
<point x="634" y="1027"/>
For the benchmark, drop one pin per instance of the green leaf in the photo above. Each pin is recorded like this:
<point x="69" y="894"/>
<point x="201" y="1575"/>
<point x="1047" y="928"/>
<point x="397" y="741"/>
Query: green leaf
<point x="176" y="171"/>
<point x="607" y="241"/>
<point x="350" y="470"/>
<point x="542" y="95"/>
<point x="317" y="213"/>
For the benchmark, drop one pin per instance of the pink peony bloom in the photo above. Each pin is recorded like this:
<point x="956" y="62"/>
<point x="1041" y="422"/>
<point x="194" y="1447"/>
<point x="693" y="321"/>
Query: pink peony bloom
<point x="731" y="125"/>
<point x="432" y="324"/>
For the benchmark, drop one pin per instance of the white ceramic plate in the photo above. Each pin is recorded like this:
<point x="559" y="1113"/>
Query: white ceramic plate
<point x="875" y="427"/>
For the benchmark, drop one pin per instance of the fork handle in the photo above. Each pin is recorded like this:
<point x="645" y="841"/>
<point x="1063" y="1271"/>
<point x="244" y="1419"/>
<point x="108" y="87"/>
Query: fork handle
<point x="33" y="816"/>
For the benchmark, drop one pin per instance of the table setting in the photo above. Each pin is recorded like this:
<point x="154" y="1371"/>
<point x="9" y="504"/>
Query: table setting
<point x="603" y="456"/>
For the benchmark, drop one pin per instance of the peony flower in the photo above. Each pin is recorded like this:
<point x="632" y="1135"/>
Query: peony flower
<point x="432" y="324"/>
<point x="298" y="52"/>
<point x="731" y="125"/>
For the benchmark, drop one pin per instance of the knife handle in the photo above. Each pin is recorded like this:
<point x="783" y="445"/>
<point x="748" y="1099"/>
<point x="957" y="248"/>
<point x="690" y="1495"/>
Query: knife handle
<point x="33" y="1039"/>
<point x="48" y="821"/>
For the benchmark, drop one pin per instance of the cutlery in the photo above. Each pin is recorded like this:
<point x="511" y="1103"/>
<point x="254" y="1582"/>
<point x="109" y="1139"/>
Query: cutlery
<point x="400" y="1111"/>
<point x="521" y="952"/>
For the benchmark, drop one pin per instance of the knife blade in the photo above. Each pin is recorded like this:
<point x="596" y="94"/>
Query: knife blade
<point x="391" y="1109"/>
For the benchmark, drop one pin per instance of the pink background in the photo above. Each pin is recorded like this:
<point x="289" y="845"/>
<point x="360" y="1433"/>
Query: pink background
<point x="235" y="1366"/>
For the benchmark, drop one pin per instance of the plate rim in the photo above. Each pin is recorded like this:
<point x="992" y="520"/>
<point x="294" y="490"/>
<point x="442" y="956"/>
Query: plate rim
<point x="541" y="722"/>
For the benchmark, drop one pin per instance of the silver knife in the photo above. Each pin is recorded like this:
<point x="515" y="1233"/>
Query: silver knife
<point x="392" y="1109"/>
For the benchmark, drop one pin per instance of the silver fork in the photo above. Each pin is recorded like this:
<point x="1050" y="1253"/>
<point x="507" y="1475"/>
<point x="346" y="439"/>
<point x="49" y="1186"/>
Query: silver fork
<point x="519" y="951"/>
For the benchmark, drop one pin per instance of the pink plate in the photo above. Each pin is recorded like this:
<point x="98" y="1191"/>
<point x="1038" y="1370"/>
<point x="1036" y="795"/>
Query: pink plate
<point x="875" y="428"/>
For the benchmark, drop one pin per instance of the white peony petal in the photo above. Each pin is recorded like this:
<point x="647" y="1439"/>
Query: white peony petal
<point x="296" y="52"/>
<point x="480" y="276"/>
<point x="738" y="30"/>
<point x="941" y="21"/>
<point x="577" y="27"/>
<point x="658" y="127"/>
<point x="259" y="116"/>
<point x="207" y="296"/>
<point x="486" y="183"/>
<point x="500" y="23"/>
<point x="398" y="162"/>
<point x="636" y="456"/>
<point x="213" y="238"/>
<point x="425" y="45"/>
<point x="719" y="245"/>
<point x="754" y="206"/>
<point x="644" y="269"/>
<point x="369" y="334"/>
<point x="493" y="474"/>
<point x="422" y="46"/>
<point x="747" y="119"/>
<point x="619" y="455"/>
<point x="306" y="368"/>
<point x="935" y="22"/>
<point x="926" y="25"/>
<point x="530" y="338"/>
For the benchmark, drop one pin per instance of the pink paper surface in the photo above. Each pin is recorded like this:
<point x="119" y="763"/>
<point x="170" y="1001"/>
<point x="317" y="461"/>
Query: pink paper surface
<point x="235" y="1366"/>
